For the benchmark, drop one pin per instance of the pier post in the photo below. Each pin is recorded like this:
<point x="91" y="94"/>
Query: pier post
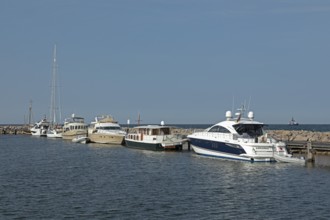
<point x="310" y="155"/>
<point x="188" y="145"/>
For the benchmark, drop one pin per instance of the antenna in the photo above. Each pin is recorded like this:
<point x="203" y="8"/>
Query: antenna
<point x="139" y="119"/>
<point x="30" y="113"/>
<point x="248" y="108"/>
<point x="233" y="104"/>
<point x="242" y="109"/>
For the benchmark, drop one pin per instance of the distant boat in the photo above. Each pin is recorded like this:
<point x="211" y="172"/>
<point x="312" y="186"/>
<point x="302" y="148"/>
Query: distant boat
<point x="293" y="122"/>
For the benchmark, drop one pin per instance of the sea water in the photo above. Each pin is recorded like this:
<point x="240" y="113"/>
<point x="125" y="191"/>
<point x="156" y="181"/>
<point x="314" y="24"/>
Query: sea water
<point x="44" y="178"/>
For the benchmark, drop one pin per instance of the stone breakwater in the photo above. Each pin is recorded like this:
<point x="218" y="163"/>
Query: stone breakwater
<point x="14" y="130"/>
<point x="281" y="135"/>
<point x="301" y="136"/>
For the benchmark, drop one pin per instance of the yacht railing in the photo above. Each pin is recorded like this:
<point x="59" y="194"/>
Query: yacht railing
<point x="239" y="138"/>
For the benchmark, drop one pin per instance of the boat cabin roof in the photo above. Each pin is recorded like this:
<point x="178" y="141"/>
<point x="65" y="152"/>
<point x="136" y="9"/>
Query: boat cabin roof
<point x="252" y="128"/>
<point x="105" y="119"/>
<point x="74" y="120"/>
<point x="153" y="129"/>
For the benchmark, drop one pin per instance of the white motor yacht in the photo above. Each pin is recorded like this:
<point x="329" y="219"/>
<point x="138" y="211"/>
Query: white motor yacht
<point x="154" y="137"/>
<point x="40" y="128"/>
<point x="106" y="130"/>
<point x="237" y="139"/>
<point x="73" y="127"/>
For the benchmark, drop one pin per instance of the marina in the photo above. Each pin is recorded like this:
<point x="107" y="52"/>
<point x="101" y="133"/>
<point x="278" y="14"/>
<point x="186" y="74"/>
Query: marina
<point x="296" y="140"/>
<point x="233" y="97"/>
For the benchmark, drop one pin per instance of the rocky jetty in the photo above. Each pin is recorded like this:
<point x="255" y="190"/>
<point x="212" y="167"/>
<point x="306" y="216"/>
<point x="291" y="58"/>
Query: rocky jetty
<point x="281" y="135"/>
<point x="12" y="129"/>
<point x="300" y="136"/>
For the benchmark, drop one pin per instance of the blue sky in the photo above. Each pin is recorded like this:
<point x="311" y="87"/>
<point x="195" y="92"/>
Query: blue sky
<point x="181" y="61"/>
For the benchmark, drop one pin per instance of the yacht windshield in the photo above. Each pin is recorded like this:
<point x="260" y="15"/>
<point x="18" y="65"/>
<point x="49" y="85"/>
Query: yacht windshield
<point x="109" y="128"/>
<point x="250" y="130"/>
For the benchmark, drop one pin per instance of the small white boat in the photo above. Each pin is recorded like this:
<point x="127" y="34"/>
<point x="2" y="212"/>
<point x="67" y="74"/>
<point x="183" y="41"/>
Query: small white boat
<point x="40" y="128"/>
<point x="54" y="133"/>
<point x="81" y="139"/>
<point x="289" y="159"/>
<point x="281" y="155"/>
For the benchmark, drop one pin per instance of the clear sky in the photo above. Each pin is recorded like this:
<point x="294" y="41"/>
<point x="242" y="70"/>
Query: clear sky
<point x="181" y="61"/>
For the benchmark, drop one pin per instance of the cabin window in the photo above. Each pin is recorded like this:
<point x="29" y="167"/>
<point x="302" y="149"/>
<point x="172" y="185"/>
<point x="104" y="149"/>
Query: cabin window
<point x="142" y="131"/>
<point x="252" y="130"/>
<point x="219" y="129"/>
<point x="155" y="132"/>
<point x="165" y="131"/>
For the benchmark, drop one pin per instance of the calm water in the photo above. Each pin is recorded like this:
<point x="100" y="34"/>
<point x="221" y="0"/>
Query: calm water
<point x="57" y="179"/>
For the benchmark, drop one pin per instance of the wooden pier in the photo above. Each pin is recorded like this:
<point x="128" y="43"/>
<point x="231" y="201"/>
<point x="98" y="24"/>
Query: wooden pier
<point x="302" y="147"/>
<point x="310" y="149"/>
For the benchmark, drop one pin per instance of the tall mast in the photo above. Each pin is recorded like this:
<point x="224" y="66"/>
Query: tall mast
<point x="139" y="119"/>
<point x="30" y="113"/>
<point x="53" y="90"/>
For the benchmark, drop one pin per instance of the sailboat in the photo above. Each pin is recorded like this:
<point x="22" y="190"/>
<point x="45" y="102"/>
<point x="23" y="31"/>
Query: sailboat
<point x="54" y="131"/>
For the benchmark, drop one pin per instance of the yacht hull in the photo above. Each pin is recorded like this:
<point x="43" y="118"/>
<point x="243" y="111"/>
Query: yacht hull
<point x="232" y="151"/>
<point x="151" y="146"/>
<point x="38" y="133"/>
<point x="54" y="134"/>
<point x="106" y="138"/>
<point x="69" y="135"/>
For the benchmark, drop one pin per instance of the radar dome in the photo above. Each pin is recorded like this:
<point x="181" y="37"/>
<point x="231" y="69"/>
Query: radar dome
<point x="228" y="115"/>
<point x="250" y="115"/>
